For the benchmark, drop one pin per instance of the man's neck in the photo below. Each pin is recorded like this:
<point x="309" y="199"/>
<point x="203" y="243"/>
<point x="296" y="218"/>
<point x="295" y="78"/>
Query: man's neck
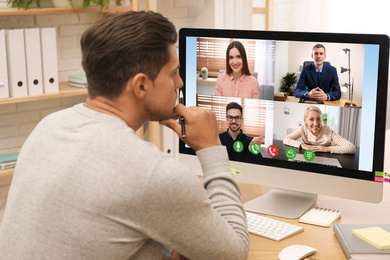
<point x="114" y="108"/>
<point x="234" y="134"/>
<point x="318" y="67"/>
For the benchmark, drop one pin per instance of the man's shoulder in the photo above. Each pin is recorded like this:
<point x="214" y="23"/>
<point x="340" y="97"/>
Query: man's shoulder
<point x="329" y="67"/>
<point x="244" y="137"/>
<point x="224" y="137"/>
<point x="223" y="134"/>
<point x="308" y="68"/>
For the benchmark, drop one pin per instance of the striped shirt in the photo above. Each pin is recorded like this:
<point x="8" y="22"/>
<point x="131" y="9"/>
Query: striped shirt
<point x="327" y="137"/>
<point x="246" y="86"/>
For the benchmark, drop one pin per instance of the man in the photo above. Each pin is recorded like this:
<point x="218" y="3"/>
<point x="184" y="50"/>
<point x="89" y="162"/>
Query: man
<point x="233" y="138"/>
<point x="87" y="187"/>
<point x="318" y="81"/>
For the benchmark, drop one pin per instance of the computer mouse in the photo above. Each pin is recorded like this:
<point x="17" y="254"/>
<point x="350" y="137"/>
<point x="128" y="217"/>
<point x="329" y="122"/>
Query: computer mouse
<point x="296" y="252"/>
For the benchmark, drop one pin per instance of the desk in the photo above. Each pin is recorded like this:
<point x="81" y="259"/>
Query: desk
<point x="321" y="238"/>
<point x="337" y="103"/>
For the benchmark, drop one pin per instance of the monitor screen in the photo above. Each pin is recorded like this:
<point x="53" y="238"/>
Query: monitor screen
<point x="309" y="103"/>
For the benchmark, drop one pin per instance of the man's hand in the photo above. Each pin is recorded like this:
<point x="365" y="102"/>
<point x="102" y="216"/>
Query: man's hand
<point x="317" y="94"/>
<point x="259" y="140"/>
<point x="201" y="126"/>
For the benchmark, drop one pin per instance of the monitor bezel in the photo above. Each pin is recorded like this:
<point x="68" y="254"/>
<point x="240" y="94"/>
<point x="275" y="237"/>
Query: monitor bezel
<point x="380" y="125"/>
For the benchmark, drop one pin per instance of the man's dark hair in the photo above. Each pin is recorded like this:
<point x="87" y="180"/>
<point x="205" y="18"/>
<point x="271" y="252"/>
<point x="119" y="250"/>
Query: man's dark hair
<point x="319" y="45"/>
<point x="240" y="47"/>
<point x="233" y="105"/>
<point x="118" y="47"/>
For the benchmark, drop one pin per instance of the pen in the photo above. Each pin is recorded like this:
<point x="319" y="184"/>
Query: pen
<point x="183" y="123"/>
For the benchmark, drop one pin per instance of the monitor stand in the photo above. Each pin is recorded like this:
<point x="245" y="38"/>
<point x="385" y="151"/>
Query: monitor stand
<point x="282" y="203"/>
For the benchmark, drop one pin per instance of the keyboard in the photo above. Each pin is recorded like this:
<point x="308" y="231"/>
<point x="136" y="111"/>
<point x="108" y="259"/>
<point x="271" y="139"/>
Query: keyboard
<point x="271" y="228"/>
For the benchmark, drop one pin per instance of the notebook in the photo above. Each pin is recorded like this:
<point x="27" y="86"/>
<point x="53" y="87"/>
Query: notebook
<point x="375" y="236"/>
<point x="81" y="79"/>
<point x="355" y="247"/>
<point x="8" y="160"/>
<point x="321" y="217"/>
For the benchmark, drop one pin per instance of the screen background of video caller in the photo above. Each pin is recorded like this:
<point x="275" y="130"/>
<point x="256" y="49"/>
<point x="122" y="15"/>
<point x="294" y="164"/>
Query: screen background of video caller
<point x="365" y="84"/>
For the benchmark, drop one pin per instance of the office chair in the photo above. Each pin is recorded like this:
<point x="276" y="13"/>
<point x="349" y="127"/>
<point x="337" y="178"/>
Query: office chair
<point x="305" y="63"/>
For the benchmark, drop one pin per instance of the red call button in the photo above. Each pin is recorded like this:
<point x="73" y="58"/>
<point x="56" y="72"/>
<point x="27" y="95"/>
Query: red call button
<point x="272" y="150"/>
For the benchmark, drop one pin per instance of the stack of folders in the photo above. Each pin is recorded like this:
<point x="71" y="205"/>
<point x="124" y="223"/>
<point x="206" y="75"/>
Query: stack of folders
<point x="79" y="81"/>
<point x="8" y="160"/>
<point x="28" y="62"/>
<point x="361" y="246"/>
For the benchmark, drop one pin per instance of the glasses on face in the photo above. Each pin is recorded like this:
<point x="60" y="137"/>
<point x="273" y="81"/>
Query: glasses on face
<point x="236" y="118"/>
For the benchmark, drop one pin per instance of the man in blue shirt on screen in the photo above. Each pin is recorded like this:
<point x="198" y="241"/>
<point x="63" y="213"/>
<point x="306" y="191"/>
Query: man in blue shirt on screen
<point x="233" y="138"/>
<point x="318" y="81"/>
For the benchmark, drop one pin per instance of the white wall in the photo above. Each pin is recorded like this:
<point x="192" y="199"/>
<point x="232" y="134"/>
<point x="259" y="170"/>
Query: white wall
<point x="225" y="14"/>
<point x="346" y="16"/>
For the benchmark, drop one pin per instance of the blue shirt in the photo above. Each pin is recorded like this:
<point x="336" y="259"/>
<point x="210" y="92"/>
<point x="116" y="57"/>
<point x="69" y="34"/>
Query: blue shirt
<point x="228" y="141"/>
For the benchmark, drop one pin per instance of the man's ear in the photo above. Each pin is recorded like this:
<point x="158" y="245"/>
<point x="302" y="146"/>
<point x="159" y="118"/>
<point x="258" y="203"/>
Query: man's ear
<point x="140" y="84"/>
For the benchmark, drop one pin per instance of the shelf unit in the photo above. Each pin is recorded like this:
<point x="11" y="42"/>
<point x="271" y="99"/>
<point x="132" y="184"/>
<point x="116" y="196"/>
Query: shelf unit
<point x="6" y="172"/>
<point x="40" y="11"/>
<point x="65" y="91"/>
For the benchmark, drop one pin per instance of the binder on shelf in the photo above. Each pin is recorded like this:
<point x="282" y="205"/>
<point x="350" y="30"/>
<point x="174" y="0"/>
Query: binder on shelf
<point x="49" y="60"/>
<point x="4" y="91"/>
<point x="33" y="61"/>
<point x="16" y="61"/>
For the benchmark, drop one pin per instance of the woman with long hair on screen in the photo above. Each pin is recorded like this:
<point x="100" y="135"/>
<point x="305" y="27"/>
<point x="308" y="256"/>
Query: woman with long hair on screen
<point x="237" y="81"/>
<point x="318" y="137"/>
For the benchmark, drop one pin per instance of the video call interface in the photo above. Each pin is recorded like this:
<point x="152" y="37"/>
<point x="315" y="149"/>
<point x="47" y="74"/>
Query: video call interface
<point x="277" y="125"/>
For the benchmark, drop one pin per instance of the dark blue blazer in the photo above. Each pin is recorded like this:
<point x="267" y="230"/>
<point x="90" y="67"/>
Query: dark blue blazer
<point x="329" y="81"/>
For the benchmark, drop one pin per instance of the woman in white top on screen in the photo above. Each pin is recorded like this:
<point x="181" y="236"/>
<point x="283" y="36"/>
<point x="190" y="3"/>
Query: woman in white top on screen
<point x="237" y="81"/>
<point x="318" y="137"/>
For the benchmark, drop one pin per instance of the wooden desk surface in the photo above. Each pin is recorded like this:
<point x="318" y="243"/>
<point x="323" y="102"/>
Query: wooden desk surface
<point x="338" y="103"/>
<point x="321" y="238"/>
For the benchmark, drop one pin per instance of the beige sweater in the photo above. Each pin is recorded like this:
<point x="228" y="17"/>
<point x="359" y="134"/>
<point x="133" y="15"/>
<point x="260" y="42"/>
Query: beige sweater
<point x="87" y="187"/>
<point x="327" y="137"/>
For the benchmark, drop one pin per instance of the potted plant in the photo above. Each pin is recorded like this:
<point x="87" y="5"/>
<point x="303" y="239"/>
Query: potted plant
<point x="24" y="4"/>
<point x="325" y="118"/>
<point x="204" y="73"/>
<point x="75" y="4"/>
<point x="287" y="83"/>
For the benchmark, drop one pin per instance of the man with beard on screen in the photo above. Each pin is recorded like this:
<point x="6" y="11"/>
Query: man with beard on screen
<point x="233" y="138"/>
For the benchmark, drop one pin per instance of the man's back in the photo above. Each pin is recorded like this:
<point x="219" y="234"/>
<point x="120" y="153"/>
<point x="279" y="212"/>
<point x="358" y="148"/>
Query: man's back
<point x="101" y="200"/>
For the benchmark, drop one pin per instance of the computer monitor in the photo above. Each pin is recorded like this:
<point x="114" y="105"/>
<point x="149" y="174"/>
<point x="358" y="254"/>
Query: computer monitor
<point x="295" y="175"/>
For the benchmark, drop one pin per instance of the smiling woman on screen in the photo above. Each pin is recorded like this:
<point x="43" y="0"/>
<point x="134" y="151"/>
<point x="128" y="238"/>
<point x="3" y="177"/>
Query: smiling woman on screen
<point x="237" y="81"/>
<point x="318" y="137"/>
